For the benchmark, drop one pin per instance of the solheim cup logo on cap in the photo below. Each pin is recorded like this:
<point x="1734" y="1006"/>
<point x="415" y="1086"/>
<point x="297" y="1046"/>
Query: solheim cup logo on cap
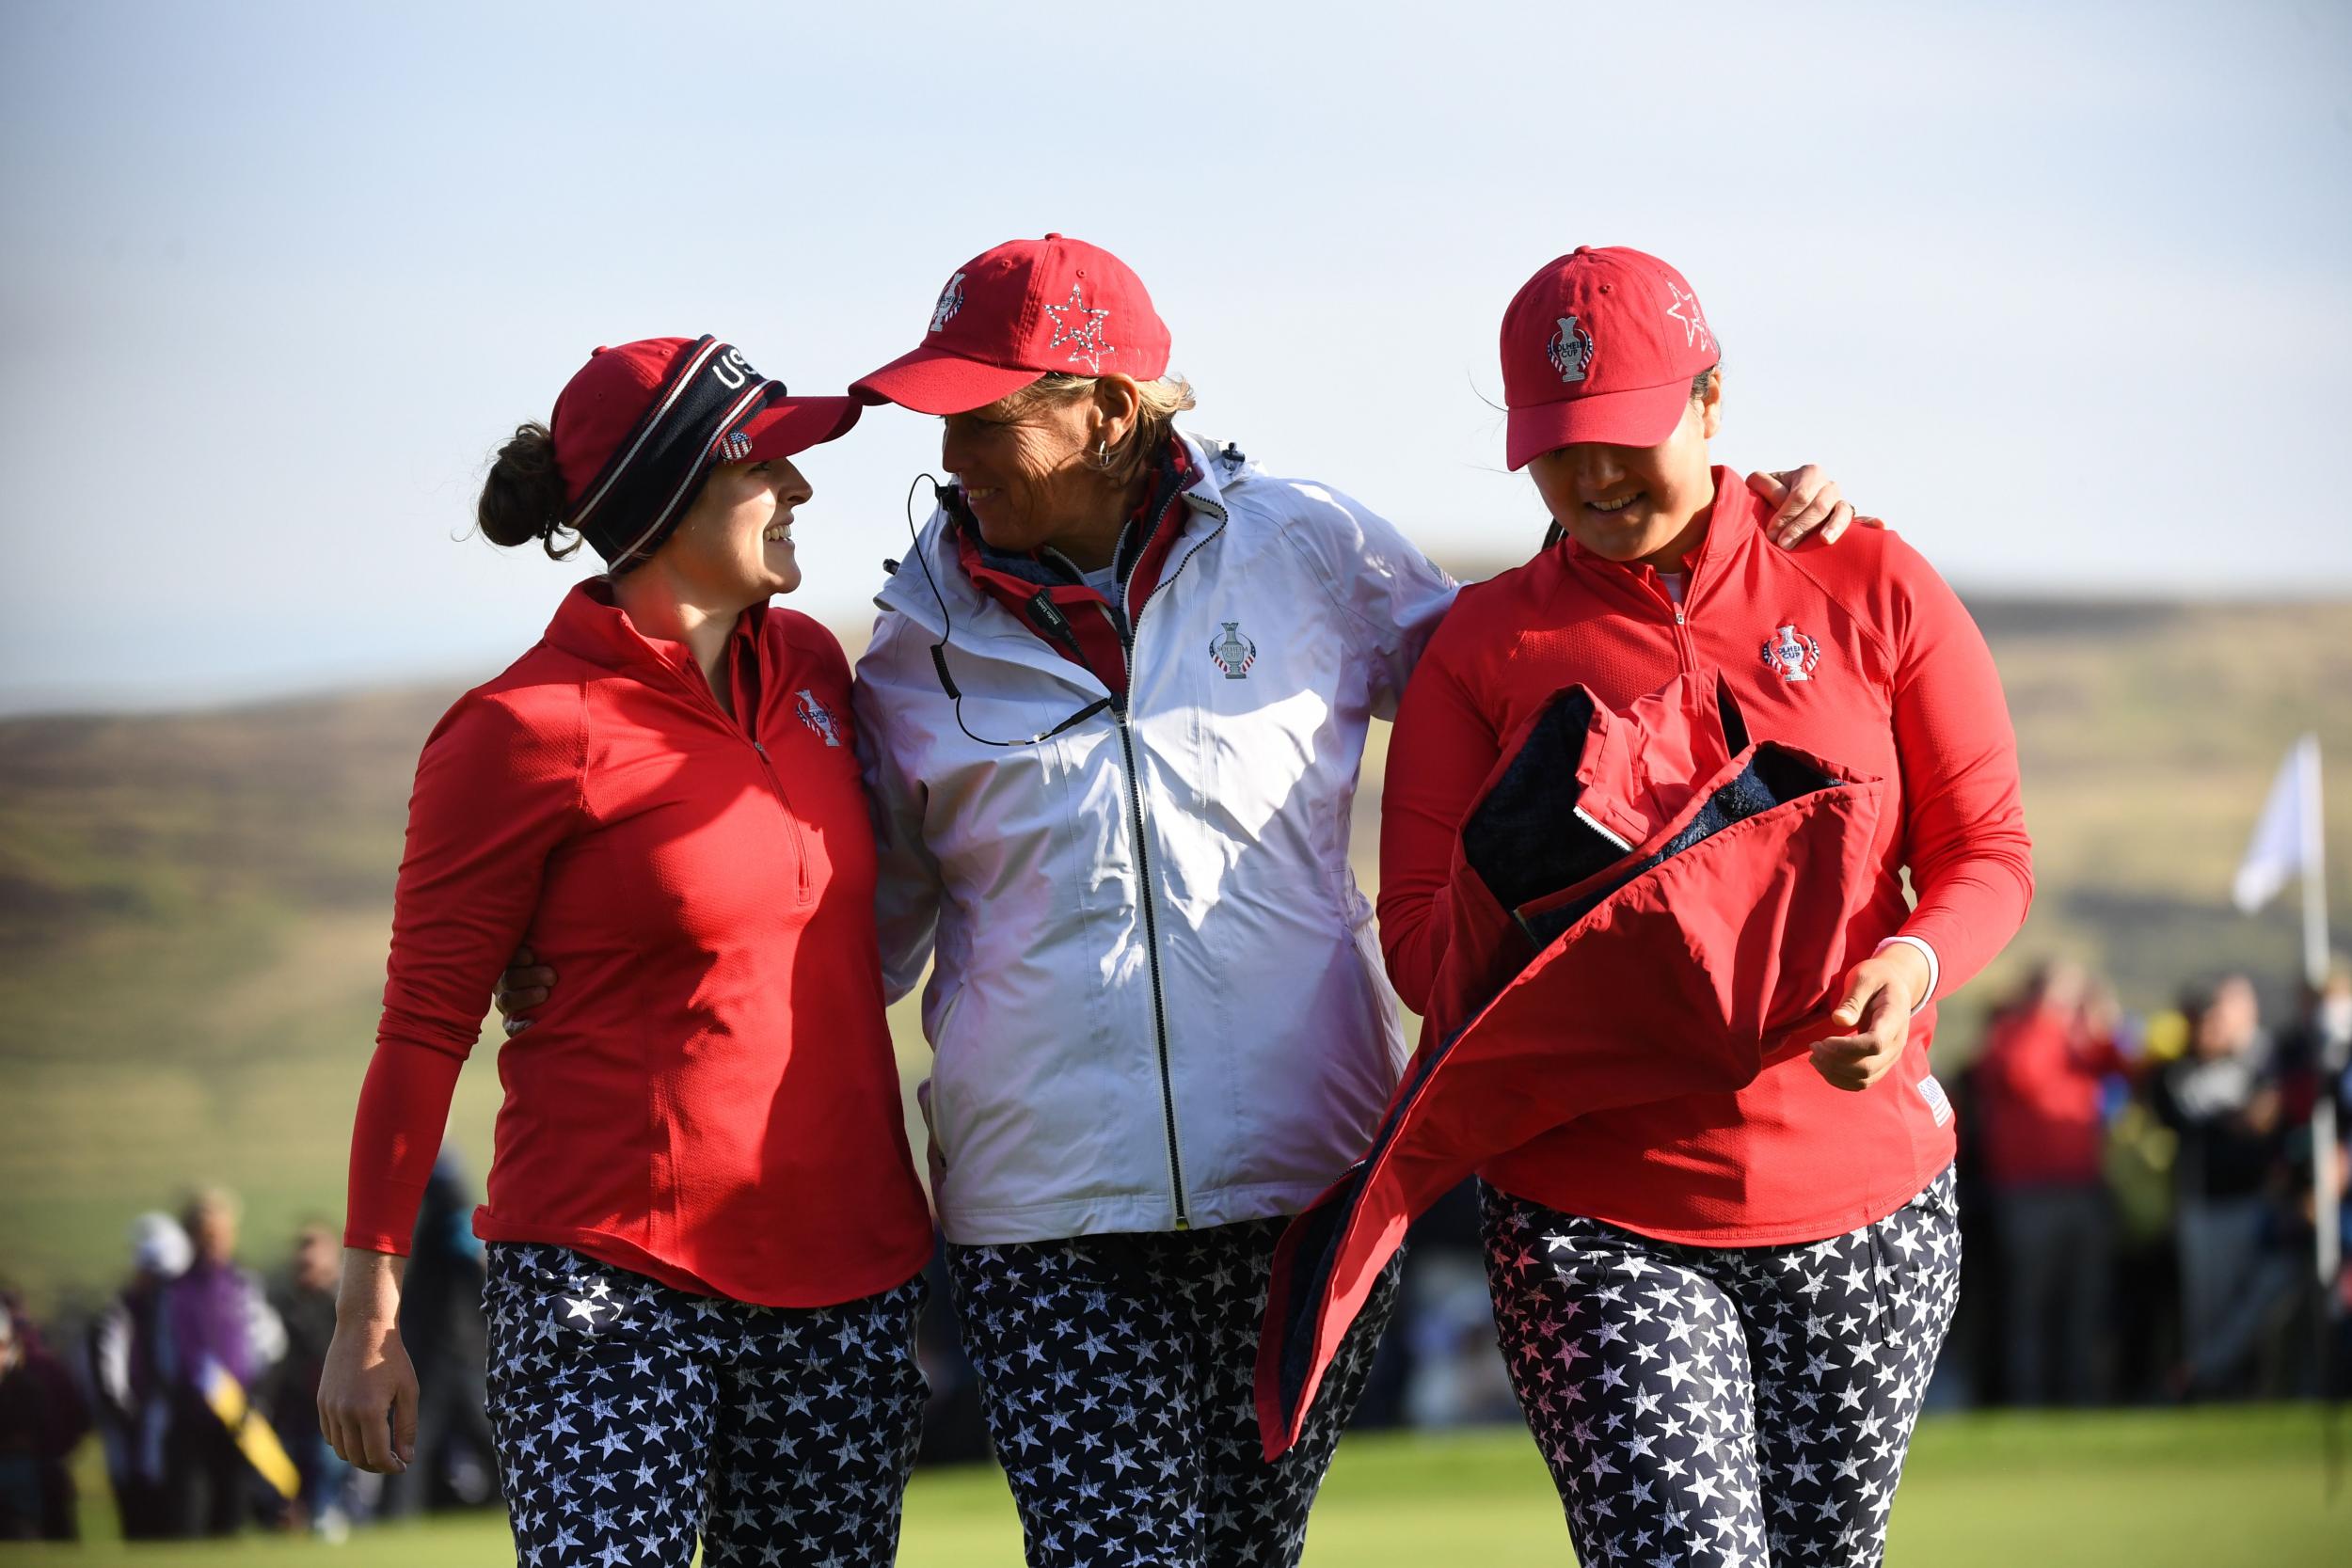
<point x="816" y="715"/>
<point x="1793" y="653"/>
<point x="1570" y="350"/>
<point x="1685" y="310"/>
<point x="1232" y="653"/>
<point x="1075" y="325"/>
<point x="950" y="301"/>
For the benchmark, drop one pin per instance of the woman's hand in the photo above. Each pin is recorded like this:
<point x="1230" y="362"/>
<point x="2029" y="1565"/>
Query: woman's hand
<point x="368" y="1389"/>
<point x="1881" y="992"/>
<point x="524" y="984"/>
<point x="1806" y="500"/>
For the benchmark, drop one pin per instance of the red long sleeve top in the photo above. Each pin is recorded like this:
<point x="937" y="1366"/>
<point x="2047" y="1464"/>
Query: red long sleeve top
<point x="708" y="1097"/>
<point x="1860" y="654"/>
<point x="2039" y="1084"/>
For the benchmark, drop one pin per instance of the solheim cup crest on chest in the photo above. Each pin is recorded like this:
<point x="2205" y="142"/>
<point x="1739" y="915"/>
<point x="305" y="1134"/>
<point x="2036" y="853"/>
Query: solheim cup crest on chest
<point x="1570" y="350"/>
<point x="1233" y="652"/>
<point x="1793" y="653"/>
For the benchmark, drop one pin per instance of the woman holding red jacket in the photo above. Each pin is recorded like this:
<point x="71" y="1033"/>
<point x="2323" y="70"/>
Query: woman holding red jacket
<point x="705" y="1233"/>
<point x="1720" y="1311"/>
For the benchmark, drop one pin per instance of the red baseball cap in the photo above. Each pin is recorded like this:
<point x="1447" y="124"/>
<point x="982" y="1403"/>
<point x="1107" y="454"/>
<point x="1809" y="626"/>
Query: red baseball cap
<point x="1600" y="345"/>
<point x="639" y="427"/>
<point x="1027" y="308"/>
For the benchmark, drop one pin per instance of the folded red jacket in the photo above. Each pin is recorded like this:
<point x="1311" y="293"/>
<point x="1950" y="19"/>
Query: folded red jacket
<point x="1646" y="904"/>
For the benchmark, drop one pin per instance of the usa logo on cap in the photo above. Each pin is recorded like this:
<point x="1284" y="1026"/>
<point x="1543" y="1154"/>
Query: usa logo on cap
<point x="734" y="447"/>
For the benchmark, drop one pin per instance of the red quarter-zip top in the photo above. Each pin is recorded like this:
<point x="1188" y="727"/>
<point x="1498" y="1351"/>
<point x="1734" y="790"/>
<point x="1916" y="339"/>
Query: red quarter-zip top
<point x="708" y="1097"/>
<point x="1857" y="653"/>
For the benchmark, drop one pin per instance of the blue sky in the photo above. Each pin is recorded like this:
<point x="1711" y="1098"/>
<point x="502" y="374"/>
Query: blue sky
<point x="2062" y="291"/>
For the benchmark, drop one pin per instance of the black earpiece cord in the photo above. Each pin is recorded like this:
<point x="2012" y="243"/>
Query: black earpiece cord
<point x="939" y="649"/>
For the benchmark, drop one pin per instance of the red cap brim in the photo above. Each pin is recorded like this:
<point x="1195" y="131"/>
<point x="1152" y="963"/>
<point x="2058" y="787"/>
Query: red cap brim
<point x="932" y="382"/>
<point x="796" y="424"/>
<point x="1642" y="417"/>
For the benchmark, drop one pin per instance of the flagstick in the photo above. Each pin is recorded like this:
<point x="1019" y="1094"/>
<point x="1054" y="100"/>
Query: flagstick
<point x="2326" y="1238"/>
<point x="2326" y="1256"/>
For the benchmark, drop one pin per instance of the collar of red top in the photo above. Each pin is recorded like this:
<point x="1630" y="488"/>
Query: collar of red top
<point x="1729" y="527"/>
<point x="589" y="625"/>
<point x="1066" y="612"/>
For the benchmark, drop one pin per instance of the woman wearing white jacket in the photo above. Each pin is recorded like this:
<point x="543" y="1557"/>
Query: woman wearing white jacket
<point x="1113" y="710"/>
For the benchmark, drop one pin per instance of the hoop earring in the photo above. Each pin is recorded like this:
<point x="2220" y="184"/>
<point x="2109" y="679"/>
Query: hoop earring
<point x="1102" y="454"/>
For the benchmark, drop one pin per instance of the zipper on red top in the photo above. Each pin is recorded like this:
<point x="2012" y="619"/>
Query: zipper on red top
<point x="745" y="729"/>
<point x="1685" y="649"/>
<point x="805" y="890"/>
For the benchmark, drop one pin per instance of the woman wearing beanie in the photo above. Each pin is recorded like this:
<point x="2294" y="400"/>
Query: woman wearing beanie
<point x="704" y="1232"/>
<point x="1114" y="709"/>
<point x="1720" y="1310"/>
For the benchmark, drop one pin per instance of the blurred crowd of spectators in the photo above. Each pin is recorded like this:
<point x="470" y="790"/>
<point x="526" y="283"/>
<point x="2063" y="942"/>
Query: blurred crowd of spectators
<point x="200" y="1379"/>
<point x="2137" y="1193"/>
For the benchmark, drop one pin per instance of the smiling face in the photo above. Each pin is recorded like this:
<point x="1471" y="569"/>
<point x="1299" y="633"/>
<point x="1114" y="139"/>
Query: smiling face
<point x="1646" y="504"/>
<point x="1028" y="471"/>
<point x="735" y="544"/>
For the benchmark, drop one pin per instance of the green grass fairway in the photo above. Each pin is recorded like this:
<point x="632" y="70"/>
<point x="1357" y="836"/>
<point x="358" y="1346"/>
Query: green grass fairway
<point x="2198" y="1489"/>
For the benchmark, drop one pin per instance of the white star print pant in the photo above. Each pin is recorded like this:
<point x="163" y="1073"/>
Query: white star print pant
<point x="1715" y="1406"/>
<point x="1116" y="1374"/>
<point x="633" y="1420"/>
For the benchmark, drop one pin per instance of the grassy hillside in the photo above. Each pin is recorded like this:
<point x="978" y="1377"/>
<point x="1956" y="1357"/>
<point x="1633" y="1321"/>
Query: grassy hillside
<point x="193" y="907"/>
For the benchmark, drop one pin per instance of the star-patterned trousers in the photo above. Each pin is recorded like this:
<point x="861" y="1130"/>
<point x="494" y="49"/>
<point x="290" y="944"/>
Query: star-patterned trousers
<point x="1116" y="1374"/>
<point x="1715" y="1406"/>
<point x="633" y="1420"/>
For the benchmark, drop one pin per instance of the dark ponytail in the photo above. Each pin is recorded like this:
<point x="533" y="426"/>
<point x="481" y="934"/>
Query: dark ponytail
<point x="522" y="499"/>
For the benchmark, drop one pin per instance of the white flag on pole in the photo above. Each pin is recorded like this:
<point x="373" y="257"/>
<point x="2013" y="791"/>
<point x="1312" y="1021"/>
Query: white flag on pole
<point x="2286" y="839"/>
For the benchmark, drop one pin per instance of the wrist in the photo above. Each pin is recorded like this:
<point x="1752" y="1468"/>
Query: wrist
<point x="369" y="1293"/>
<point x="1914" y="961"/>
<point x="1911" y="974"/>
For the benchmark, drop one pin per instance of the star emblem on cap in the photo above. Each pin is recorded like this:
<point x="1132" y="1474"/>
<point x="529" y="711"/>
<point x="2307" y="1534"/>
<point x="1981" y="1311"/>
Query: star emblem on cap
<point x="1075" y="325"/>
<point x="1685" y="310"/>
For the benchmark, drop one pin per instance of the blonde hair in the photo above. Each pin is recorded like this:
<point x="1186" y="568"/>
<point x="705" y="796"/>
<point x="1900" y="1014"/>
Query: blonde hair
<point x="1158" y="404"/>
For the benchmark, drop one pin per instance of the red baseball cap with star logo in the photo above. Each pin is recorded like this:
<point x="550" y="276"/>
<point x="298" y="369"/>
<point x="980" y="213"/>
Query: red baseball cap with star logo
<point x="1027" y="308"/>
<point x="1600" y="345"/>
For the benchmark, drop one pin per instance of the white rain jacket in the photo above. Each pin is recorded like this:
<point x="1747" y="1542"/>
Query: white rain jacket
<point x="1157" y="999"/>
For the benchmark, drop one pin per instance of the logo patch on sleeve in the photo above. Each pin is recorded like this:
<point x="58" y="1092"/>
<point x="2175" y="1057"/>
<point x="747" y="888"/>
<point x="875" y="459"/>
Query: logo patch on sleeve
<point x="1939" y="1103"/>
<point x="818" y="717"/>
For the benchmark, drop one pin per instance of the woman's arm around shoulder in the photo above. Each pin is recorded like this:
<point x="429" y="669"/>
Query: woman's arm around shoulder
<point x="1388" y="592"/>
